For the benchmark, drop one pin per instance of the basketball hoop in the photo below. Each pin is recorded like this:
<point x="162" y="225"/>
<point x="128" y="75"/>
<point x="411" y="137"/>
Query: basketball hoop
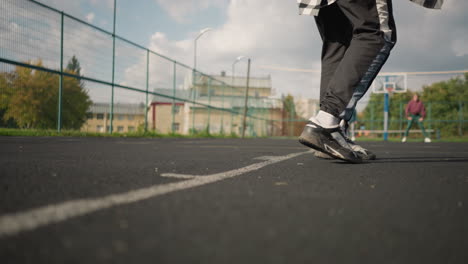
<point x="395" y="83"/>
<point x="389" y="87"/>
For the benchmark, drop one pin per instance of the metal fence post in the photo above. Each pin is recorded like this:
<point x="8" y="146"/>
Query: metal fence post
<point x="429" y="115"/>
<point x="401" y="116"/>
<point x="193" y="100"/>
<point x="460" y="118"/>
<point x="113" y="72"/>
<point x="209" y="109"/>
<point x="291" y="131"/>
<point x="233" y="94"/>
<point x="173" y="95"/>
<point x="147" y="87"/>
<point x="59" y="117"/>
<point x="246" y="99"/>
<point x="193" y="112"/>
<point x="222" y="112"/>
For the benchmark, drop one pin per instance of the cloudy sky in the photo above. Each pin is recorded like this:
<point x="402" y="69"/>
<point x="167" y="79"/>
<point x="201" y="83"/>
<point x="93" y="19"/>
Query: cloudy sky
<point x="273" y="35"/>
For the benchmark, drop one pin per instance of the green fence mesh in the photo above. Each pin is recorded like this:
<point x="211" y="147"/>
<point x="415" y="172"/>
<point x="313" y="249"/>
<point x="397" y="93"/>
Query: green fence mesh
<point x="60" y="72"/>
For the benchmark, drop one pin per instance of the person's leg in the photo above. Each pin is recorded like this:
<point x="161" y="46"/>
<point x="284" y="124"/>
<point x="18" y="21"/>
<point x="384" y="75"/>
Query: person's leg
<point x="421" y="126"/>
<point x="357" y="41"/>
<point x="336" y="32"/>
<point x="410" y="123"/>
<point x="374" y="36"/>
<point x="323" y="133"/>
<point x="372" y="39"/>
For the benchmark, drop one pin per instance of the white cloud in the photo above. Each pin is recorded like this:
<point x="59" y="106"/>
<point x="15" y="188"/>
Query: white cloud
<point x="274" y="36"/>
<point x="430" y="39"/>
<point x="179" y="10"/>
<point x="70" y="7"/>
<point x="460" y="46"/>
<point x="90" y="17"/>
<point x="106" y="3"/>
<point x="271" y="33"/>
<point x="268" y="31"/>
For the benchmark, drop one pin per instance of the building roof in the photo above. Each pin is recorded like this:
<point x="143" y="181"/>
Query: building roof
<point x="179" y="93"/>
<point x="237" y="81"/>
<point x="239" y="102"/>
<point x="119" y="108"/>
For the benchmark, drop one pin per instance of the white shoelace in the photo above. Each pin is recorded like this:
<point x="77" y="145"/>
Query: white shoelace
<point x="351" y="143"/>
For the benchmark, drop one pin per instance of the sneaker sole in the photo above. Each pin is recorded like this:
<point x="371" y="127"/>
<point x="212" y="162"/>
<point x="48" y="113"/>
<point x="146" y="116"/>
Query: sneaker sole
<point x="370" y="156"/>
<point x="322" y="155"/>
<point x="312" y="143"/>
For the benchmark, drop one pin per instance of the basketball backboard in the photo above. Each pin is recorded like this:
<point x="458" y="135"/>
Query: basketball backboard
<point x="392" y="83"/>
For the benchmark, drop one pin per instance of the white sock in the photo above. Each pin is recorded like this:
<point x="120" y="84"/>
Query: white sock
<point x="342" y="123"/>
<point x="326" y="120"/>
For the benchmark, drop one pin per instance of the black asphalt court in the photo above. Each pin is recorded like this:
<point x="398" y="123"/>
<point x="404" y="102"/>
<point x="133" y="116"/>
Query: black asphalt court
<point x="127" y="200"/>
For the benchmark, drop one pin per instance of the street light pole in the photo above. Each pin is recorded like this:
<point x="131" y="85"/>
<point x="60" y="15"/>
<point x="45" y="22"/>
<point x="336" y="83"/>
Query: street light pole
<point x="195" y="46"/>
<point x="246" y="99"/>
<point x="233" y="68"/>
<point x="232" y="82"/>
<point x="194" y="73"/>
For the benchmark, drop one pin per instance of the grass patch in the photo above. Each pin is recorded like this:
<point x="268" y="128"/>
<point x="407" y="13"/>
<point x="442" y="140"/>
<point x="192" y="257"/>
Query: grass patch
<point x="74" y="133"/>
<point x="193" y="134"/>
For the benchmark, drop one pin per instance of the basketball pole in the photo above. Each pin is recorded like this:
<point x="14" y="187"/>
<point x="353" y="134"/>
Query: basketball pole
<point x="386" y="106"/>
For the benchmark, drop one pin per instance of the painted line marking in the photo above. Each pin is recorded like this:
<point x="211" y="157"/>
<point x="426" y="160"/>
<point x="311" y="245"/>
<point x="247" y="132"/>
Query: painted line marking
<point x="264" y="158"/>
<point x="189" y="176"/>
<point x="11" y="224"/>
<point x="178" y="176"/>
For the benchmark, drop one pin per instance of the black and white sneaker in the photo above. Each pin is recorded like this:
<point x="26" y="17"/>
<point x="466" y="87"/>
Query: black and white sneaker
<point x="362" y="152"/>
<point x="322" y="155"/>
<point x="331" y="141"/>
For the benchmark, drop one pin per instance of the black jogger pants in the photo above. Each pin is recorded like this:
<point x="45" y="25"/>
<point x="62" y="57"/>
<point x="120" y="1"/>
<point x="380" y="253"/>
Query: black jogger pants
<point x="357" y="38"/>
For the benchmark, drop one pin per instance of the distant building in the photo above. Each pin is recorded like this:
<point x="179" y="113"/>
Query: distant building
<point x="228" y="93"/>
<point x="127" y="118"/>
<point x="218" y="108"/>
<point x="160" y="117"/>
<point x="306" y="107"/>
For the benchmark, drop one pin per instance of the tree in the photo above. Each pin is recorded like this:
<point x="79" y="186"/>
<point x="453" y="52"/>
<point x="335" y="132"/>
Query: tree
<point x="291" y="124"/>
<point x="74" y="66"/>
<point x="448" y="102"/>
<point x="31" y="98"/>
<point x="76" y="101"/>
<point x="5" y="94"/>
<point x="372" y="116"/>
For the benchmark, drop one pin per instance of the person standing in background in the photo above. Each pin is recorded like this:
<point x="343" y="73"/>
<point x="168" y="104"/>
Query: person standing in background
<point x="415" y="112"/>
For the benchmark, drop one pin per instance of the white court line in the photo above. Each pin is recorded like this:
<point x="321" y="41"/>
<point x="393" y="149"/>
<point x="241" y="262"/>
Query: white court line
<point x="11" y="224"/>
<point x="178" y="176"/>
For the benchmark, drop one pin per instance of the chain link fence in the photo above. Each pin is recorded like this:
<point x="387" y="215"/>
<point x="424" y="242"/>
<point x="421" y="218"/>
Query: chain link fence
<point x="443" y="119"/>
<point x="60" y="72"/>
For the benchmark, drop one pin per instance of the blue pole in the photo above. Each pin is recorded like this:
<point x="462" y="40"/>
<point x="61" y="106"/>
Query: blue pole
<point x="386" y="105"/>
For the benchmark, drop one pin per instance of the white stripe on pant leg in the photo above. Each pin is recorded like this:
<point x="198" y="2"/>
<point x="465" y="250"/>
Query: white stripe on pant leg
<point x="377" y="63"/>
<point x="382" y="10"/>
